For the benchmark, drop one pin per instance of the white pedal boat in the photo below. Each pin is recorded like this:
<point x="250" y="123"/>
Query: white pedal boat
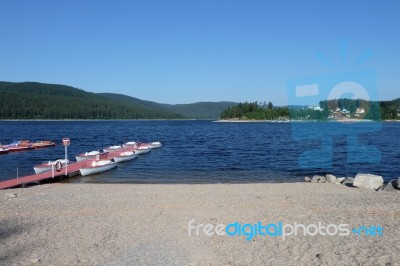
<point x="155" y="145"/>
<point x="97" y="167"/>
<point x="124" y="156"/>
<point x="112" y="148"/>
<point x="142" y="149"/>
<point x="56" y="165"/>
<point x="87" y="155"/>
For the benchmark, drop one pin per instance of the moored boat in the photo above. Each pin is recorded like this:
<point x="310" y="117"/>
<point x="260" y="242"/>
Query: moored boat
<point x="3" y="150"/>
<point x="124" y="156"/>
<point x="19" y="146"/>
<point x="43" y="144"/>
<point x="135" y="145"/>
<point x="142" y="149"/>
<point x="87" y="155"/>
<point x="112" y="148"/>
<point x="130" y="144"/>
<point x="57" y="165"/>
<point x="97" y="167"/>
<point x="155" y="145"/>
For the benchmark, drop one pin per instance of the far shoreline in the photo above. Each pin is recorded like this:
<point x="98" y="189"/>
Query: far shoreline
<point x="203" y="119"/>
<point x="300" y="121"/>
<point x="94" y="120"/>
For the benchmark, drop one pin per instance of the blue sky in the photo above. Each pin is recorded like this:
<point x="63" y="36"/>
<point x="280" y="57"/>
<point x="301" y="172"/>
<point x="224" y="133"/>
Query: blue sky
<point x="192" y="50"/>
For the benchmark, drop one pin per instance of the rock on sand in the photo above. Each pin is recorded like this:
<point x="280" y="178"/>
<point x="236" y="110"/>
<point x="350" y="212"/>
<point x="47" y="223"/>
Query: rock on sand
<point x="331" y="178"/>
<point x="391" y="186"/>
<point x="318" y="179"/>
<point x="348" y="181"/>
<point x="368" y="181"/>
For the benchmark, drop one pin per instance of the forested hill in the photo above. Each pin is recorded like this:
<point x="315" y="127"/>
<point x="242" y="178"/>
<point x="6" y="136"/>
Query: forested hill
<point x="337" y="109"/>
<point x="200" y="110"/>
<point x="32" y="100"/>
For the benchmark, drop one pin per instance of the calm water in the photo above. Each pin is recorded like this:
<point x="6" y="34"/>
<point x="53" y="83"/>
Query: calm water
<point x="207" y="152"/>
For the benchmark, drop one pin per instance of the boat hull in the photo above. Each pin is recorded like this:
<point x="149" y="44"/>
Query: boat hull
<point x="142" y="151"/>
<point x="94" y="155"/>
<point x="15" y="149"/>
<point x="81" y="158"/>
<point x="155" y="145"/>
<point x="85" y="171"/>
<point x="43" y="144"/>
<point x="113" y="148"/>
<point x="42" y="168"/>
<point x="124" y="158"/>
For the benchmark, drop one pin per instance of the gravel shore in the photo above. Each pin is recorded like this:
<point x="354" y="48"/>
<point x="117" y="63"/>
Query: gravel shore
<point x="130" y="224"/>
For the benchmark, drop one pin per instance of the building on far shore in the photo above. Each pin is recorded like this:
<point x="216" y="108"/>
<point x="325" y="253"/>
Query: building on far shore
<point x="315" y="108"/>
<point x="345" y="111"/>
<point x="359" y="112"/>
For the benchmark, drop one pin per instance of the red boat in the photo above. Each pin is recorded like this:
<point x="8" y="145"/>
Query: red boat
<point x="19" y="146"/>
<point x="27" y="145"/>
<point x="43" y="144"/>
<point x="3" y="150"/>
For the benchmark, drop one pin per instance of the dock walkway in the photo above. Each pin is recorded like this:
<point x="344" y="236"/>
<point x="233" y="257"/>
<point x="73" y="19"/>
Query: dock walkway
<point x="66" y="171"/>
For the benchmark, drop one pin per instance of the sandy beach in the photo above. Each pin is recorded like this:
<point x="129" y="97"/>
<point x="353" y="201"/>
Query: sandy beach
<point x="120" y="224"/>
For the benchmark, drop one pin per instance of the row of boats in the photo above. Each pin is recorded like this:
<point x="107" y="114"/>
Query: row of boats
<point x="102" y="161"/>
<point x="24" y="145"/>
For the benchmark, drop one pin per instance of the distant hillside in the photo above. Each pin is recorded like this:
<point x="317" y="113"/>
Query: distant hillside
<point x="32" y="100"/>
<point x="124" y="99"/>
<point x="200" y="110"/>
<point x="296" y="107"/>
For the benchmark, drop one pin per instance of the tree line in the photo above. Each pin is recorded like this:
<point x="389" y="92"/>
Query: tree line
<point x="373" y="110"/>
<point x="254" y="110"/>
<point x="30" y="100"/>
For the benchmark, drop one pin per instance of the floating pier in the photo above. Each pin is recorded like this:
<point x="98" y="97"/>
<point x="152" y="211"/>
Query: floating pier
<point x="70" y="170"/>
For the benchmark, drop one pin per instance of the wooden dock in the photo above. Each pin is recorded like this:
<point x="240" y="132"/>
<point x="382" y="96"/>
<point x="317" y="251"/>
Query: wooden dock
<point x="66" y="171"/>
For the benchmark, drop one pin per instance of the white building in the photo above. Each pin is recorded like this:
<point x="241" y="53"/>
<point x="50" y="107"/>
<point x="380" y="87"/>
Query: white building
<point x="360" y="111"/>
<point x="316" y="108"/>
<point x="344" y="111"/>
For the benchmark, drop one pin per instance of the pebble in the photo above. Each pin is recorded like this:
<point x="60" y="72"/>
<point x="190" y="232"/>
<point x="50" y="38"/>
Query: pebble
<point x="35" y="261"/>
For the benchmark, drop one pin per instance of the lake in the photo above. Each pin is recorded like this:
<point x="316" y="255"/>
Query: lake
<point x="209" y="152"/>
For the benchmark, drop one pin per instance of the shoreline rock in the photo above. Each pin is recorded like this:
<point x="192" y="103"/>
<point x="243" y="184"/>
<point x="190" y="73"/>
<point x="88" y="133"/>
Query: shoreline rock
<point x="368" y="181"/>
<point x="348" y="182"/>
<point x="318" y="179"/>
<point x="340" y="180"/>
<point x="391" y="186"/>
<point x="331" y="178"/>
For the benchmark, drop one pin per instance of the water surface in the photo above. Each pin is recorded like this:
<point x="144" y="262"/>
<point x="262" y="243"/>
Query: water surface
<point x="207" y="152"/>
